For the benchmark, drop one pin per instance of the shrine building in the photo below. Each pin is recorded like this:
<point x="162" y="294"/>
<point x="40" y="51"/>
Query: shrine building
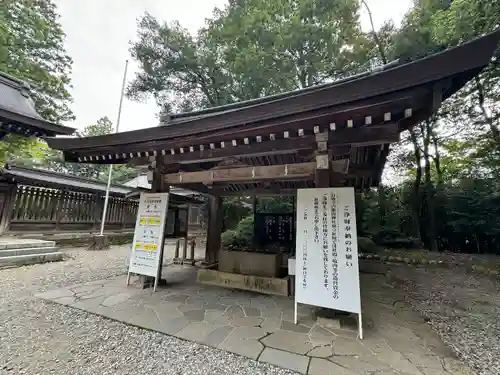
<point x="18" y="114"/>
<point x="332" y="135"/>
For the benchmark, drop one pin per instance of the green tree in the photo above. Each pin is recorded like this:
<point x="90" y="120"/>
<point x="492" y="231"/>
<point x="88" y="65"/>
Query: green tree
<point x="287" y="44"/>
<point x="32" y="49"/>
<point x="462" y="21"/>
<point x="180" y="71"/>
<point x="248" y="50"/>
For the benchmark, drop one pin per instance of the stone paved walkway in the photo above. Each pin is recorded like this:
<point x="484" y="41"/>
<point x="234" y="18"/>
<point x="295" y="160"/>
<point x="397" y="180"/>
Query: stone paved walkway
<point x="397" y="340"/>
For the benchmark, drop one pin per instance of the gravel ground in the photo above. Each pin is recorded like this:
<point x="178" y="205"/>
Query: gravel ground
<point x="38" y="337"/>
<point x="462" y="308"/>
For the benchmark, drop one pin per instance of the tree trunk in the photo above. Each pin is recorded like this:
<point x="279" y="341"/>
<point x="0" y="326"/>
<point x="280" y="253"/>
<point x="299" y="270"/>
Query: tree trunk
<point x="494" y="130"/>
<point x="376" y="39"/>
<point x="429" y="188"/>
<point x="382" y="206"/>
<point x="437" y="159"/>
<point x="416" y="185"/>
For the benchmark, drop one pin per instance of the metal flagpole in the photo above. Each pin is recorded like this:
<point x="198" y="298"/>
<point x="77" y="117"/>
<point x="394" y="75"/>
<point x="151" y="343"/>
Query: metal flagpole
<point x="106" y="199"/>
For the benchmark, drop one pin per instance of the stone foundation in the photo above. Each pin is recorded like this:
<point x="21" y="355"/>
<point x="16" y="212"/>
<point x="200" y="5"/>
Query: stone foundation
<point x="265" y="285"/>
<point x="250" y="263"/>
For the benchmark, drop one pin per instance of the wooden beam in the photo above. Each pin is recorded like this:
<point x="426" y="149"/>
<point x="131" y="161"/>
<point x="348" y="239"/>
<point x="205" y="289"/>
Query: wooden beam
<point x="298" y="171"/>
<point x="242" y="174"/>
<point x="263" y="192"/>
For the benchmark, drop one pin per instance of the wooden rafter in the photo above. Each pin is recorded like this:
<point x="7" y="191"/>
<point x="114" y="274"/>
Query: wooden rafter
<point x="337" y="141"/>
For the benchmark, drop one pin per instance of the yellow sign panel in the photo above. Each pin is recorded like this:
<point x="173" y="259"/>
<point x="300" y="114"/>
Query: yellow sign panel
<point x="150" y="247"/>
<point x="155" y="220"/>
<point x="146" y="246"/>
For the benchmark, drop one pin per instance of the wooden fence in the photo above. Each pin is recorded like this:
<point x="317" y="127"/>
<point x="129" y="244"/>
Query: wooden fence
<point x="42" y="209"/>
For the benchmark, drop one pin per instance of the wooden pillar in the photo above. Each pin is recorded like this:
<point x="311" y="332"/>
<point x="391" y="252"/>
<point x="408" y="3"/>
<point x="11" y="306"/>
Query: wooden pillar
<point x="322" y="173"/>
<point x="8" y="205"/>
<point x="158" y="186"/>
<point x="215" y="218"/>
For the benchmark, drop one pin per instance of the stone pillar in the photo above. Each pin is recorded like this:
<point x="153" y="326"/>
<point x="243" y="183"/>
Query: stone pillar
<point x="192" y="250"/>
<point x="184" y="248"/>
<point x="215" y="218"/>
<point x="176" y="254"/>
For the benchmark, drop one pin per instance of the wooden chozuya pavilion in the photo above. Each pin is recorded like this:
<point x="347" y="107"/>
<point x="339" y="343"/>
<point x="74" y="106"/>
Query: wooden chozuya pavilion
<point x="336" y="134"/>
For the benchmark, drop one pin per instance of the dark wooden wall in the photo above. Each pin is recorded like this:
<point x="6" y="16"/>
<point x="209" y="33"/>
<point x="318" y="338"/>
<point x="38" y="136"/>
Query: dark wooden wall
<point x="25" y="208"/>
<point x="41" y="209"/>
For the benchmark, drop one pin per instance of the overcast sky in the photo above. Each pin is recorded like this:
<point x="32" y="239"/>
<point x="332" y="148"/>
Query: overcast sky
<point x="98" y="36"/>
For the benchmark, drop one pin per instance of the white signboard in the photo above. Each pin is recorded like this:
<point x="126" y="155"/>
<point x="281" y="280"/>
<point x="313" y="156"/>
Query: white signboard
<point x="148" y="237"/>
<point x="326" y="268"/>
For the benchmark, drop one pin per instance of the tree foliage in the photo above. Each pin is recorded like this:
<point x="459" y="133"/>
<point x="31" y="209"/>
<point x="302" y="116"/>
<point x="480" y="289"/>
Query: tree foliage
<point x="248" y="50"/>
<point x="40" y="156"/>
<point x="32" y="49"/>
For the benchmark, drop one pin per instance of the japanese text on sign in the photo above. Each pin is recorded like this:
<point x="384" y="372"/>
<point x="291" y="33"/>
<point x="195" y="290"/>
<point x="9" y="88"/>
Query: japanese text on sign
<point x="148" y="236"/>
<point x="324" y="226"/>
<point x="326" y="244"/>
<point x="335" y="267"/>
<point x="304" y="255"/>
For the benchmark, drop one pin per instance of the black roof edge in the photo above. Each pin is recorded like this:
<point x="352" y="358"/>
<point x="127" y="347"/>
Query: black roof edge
<point x="11" y="168"/>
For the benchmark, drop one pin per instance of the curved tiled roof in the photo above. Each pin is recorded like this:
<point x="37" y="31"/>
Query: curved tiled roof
<point x="18" y="114"/>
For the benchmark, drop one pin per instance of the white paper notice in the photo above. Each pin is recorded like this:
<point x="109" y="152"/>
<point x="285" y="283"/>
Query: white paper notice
<point x="326" y="268"/>
<point x="148" y="236"/>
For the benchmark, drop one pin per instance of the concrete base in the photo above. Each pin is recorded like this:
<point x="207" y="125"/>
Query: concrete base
<point x="98" y="242"/>
<point x="186" y="262"/>
<point x="250" y="263"/>
<point x="206" y="266"/>
<point x="265" y="285"/>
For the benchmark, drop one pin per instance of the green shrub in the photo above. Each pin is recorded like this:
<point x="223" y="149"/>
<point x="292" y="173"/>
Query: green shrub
<point x="241" y="236"/>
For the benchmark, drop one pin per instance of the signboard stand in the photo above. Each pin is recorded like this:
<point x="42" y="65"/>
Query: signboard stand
<point x="360" y="326"/>
<point x="147" y="248"/>
<point x="326" y="266"/>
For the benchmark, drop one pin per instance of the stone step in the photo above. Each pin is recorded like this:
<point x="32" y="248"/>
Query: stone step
<point x="11" y="243"/>
<point x="28" y="251"/>
<point x="21" y="260"/>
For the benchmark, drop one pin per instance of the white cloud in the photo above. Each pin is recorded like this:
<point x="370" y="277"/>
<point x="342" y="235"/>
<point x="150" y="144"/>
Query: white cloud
<point x="98" y="36"/>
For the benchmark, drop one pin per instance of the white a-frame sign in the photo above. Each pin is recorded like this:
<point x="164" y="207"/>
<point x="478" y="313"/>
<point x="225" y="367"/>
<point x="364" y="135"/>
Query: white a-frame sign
<point x="147" y="248"/>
